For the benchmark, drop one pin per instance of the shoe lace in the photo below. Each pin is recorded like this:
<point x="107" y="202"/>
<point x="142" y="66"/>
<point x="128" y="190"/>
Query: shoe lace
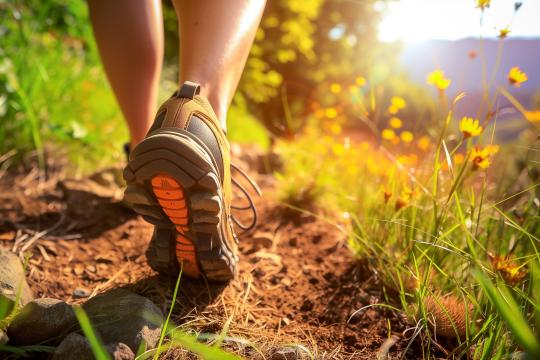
<point x="250" y="204"/>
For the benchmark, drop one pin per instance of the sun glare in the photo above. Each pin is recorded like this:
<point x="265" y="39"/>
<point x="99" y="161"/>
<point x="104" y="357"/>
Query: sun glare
<point x="418" y="20"/>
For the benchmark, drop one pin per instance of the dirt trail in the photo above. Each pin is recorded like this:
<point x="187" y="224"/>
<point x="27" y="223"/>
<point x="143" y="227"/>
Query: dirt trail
<point x="297" y="282"/>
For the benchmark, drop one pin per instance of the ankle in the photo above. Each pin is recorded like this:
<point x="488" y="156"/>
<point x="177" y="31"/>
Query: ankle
<point x="217" y="97"/>
<point x="219" y="105"/>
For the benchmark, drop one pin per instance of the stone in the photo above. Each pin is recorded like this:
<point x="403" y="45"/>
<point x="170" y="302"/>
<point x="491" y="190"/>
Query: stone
<point x="42" y="320"/>
<point x="80" y="293"/>
<point x="74" y="346"/>
<point x="12" y="279"/>
<point x="120" y="316"/>
<point x="120" y="351"/>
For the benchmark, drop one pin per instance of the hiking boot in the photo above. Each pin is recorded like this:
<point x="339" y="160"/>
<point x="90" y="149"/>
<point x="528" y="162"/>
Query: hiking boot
<point x="179" y="179"/>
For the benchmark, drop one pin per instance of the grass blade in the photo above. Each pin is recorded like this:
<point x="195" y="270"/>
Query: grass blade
<point x="165" y="329"/>
<point x="509" y="310"/>
<point x="95" y="343"/>
<point x="206" y="352"/>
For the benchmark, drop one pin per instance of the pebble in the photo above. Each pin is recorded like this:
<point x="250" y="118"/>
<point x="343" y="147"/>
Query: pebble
<point x="12" y="277"/>
<point x="80" y="293"/>
<point x="41" y="320"/>
<point x="120" y="316"/>
<point x="74" y="346"/>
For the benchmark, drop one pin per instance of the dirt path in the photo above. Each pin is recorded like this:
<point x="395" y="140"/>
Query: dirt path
<point x="297" y="282"/>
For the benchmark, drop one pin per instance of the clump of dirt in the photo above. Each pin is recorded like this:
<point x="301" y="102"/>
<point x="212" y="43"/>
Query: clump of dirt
<point x="297" y="281"/>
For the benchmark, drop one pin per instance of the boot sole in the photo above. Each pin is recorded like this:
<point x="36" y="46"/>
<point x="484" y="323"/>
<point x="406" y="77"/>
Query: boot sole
<point x="173" y="183"/>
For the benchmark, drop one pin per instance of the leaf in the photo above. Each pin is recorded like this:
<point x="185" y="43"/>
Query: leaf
<point x="509" y="310"/>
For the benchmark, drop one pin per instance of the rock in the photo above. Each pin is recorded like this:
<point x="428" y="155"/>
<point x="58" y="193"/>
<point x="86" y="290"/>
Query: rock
<point x="80" y="293"/>
<point x="74" y="346"/>
<point x="12" y="278"/>
<point x="3" y="337"/>
<point x="120" y="351"/>
<point x="122" y="316"/>
<point x="41" y="320"/>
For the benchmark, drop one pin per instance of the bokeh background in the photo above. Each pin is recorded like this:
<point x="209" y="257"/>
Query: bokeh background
<point x="321" y="61"/>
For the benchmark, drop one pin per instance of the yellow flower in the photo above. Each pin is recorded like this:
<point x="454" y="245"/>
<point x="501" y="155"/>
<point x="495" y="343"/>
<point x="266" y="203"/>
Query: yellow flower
<point x="503" y="33"/>
<point x="407" y="193"/>
<point x="330" y="112"/>
<point x="396" y="122"/>
<point x="512" y="272"/>
<point x="360" y="81"/>
<point x="482" y="4"/>
<point x="407" y="136"/>
<point x="335" y="88"/>
<point x="335" y="128"/>
<point x="516" y="77"/>
<point x="393" y="110"/>
<point x="533" y="116"/>
<point x="388" y="134"/>
<point x="338" y="149"/>
<point x="458" y="159"/>
<point x="352" y="169"/>
<point x="398" y="102"/>
<point x="470" y="127"/>
<point x="481" y="158"/>
<point x="423" y="143"/>
<point x="408" y="160"/>
<point x="437" y="79"/>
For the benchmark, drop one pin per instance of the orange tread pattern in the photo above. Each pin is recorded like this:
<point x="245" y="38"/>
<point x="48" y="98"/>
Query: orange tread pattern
<point x="170" y="195"/>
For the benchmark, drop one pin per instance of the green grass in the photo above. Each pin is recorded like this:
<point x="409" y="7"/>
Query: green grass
<point x="432" y="223"/>
<point x="54" y="93"/>
<point x="100" y="352"/>
<point x="55" y="98"/>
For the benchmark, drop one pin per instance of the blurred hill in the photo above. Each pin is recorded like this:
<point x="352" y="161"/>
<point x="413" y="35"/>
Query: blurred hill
<point x="464" y="61"/>
<point x="453" y="57"/>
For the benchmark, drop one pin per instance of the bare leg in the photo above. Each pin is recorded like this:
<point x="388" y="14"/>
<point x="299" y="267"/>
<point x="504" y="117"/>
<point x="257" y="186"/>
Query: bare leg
<point x="129" y="34"/>
<point x="215" y="39"/>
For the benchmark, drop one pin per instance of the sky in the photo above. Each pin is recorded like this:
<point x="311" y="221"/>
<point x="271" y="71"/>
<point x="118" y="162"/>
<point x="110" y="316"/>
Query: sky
<point x="418" y="20"/>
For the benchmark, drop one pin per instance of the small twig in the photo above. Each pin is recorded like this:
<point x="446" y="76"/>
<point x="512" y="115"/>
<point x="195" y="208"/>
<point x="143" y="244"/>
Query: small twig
<point x="32" y="240"/>
<point x="18" y="239"/>
<point x="40" y="234"/>
<point x="43" y="252"/>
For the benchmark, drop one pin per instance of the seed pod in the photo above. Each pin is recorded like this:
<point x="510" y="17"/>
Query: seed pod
<point x="448" y="315"/>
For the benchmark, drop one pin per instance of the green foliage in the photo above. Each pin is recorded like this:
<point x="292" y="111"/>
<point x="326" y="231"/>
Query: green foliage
<point x="425" y="220"/>
<point x="100" y="352"/>
<point x="52" y="86"/>
<point x="509" y="310"/>
<point x="243" y="127"/>
<point x="302" y="45"/>
<point x="53" y="90"/>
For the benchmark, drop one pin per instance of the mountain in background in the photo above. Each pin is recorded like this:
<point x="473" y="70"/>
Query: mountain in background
<point x="453" y="57"/>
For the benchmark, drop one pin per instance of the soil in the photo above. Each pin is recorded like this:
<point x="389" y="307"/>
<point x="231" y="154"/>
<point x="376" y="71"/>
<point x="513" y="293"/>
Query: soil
<point x="297" y="284"/>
